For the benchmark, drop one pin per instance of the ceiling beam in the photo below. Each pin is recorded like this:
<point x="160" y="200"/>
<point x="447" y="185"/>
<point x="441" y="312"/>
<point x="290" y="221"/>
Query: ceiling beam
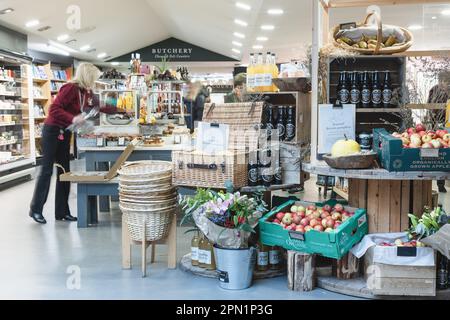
<point x="365" y="3"/>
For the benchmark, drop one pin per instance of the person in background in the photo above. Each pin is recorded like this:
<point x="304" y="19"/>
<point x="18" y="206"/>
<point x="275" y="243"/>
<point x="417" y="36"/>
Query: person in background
<point x="72" y="99"/>
<point x="238" y="93"/>
<point x="440" y="93"/>
<point x="201" y="96"/>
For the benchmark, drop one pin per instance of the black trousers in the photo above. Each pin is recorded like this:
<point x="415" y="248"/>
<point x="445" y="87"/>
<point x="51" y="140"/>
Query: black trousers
<point x="53" y="151"/>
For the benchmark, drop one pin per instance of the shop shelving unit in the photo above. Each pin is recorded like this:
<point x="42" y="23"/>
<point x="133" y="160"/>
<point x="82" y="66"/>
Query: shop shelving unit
<point x="17" y="145"/>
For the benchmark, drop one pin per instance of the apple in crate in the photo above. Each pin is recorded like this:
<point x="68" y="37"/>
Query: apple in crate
<point x="301" y="209"/>
<point x="312" y="208"/>
<point x="336" y="216"/>
<point x="309" y="212"/>
<point x="426" y="139"/>
<point x="416" y="141"/>
<point x="327" y="208"/>
<point x="308" y="228"/>
<point x="325" y="215"/>
<point x="324" y="223"/>
<point x="300" y="229"/>
<point x="301" y="215"/>
<point x="432" y="134"/>
<point x="339" y="207"/>
<point x="446" y="137"/>
<point x="294" y="209"/>
<point x="420" y="128"/>
<point x="287" y="219"/>
<point x="330" y="223"/>
<point x="304" y="222"/>
<point x="277" y="221"/>
<point x="436" y="144"/>
<point x="319" y="228"/>
<point x="280" y="216"/>
<point x="337" y="224"/>
<point x="411" y="131"/>
<point x="314" y="222"/>
<point x="297" y="219"/>
<point x="427" y="145"/>
<point x="316" y="214"/>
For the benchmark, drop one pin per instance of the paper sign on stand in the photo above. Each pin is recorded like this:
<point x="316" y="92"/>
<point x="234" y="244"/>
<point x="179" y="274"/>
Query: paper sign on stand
<point x="335" y="122"/>
<point x="212" y="137"/>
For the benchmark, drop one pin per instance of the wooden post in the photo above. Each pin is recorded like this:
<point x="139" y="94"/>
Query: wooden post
<point x="346" y="268"/>
<point x="172" y="244"/>
<point x="301" y="271"/>
<point x="126" y="245"/>
<point x="144" y="250"/>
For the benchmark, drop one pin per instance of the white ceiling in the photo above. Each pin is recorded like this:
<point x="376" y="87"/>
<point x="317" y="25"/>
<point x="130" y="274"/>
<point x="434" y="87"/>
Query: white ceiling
<point x="124" y="26"/>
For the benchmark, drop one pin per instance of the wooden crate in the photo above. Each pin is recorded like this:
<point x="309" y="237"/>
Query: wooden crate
<point x="384" y="279"/>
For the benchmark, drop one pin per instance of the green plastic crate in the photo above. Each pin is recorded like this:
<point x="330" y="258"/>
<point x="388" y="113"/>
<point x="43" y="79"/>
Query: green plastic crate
<point x="332" y="245"/>
<point x="394" y="157"/>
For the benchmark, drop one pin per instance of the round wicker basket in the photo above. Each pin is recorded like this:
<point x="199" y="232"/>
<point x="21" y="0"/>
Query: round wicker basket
<point x="378" y="50"/>
<point x="156" y="225"/>
<point x="146" y="169"/>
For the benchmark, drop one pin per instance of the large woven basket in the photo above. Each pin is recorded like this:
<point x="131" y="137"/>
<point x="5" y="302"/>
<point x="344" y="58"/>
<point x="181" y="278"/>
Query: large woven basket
<point x="156" y="225"/>
<point x="191" y="168"/>
<point x="378" y="49"/>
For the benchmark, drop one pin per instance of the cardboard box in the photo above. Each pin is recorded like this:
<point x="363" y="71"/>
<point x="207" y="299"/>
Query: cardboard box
<point x="99" y="177"/>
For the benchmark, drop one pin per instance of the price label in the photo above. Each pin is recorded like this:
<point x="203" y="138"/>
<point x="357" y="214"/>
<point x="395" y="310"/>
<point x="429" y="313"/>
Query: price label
<point x="100" y="142"/>
<point x="121" y="141"/>
<point x="429" y="153"/>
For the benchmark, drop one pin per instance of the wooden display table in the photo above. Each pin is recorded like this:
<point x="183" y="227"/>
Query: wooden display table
<point x="388" y="196"/>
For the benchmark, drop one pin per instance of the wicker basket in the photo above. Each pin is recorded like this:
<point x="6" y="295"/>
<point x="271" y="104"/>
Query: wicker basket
<point x="378" y="50"/>
<point x="156" y="225"/>
<point x="191" y="168"/>
<point x="146" y="169"/>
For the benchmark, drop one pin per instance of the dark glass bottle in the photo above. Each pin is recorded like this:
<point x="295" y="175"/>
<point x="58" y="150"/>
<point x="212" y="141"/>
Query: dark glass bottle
<point x="366" y="93"/>
<point x="355" y="91"/>
<point x="265" y="161"/>
<point x="343" y="92"/>
<point x="281" y="124"/>
<point x="376" y="91"/>
<point x="442" y="272"/>
<point x="253" y="175"/>
<point x="278" y="171"/>
<point x="290" y="124"/>
<point x="387" y="90"/>
<point x="269" y="122"/>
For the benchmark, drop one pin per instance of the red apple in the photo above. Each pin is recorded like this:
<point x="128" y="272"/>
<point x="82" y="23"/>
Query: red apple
<point x="308" y="228"/>
<point x="313" y="223"/>
<point x="319" y="228"/>
<point x="324" y="223"/>
<point x="330" y="223"/>
<point x="316" y="214"/>
<point x="327" y="208"/>
<point x="339" y="207"/>
<point x="336" y="216"/>
<point x="337" y="224"/>
<point x="293" y="226"/>
<point x="325" y="215"/>
<point x="312" y="208"/>
<point x="411" y="131"/>
<point x="280" y="215"/>
<point x="301" y="209"/>
<point x="301" y="214"/>
<point x="432" y="134"/>
<point x="277" y="221"/>
<point x="300" y="229"/>
<point x="436" y="144"/>
<point x="427" y="145"/>
<point x="297" y="219"/>
<point x="422" y="133"/>
<point x="420" y="128"/>
<point x="441" y="133"/>
<point x="405" y="135"/>
<point x="426" y="138"/>
<point x="304" y="222"/>
<point x="309" y="212"/>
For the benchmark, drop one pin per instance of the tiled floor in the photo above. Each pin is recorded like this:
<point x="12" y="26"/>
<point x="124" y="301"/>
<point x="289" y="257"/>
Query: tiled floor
<point x="42" y="262"/>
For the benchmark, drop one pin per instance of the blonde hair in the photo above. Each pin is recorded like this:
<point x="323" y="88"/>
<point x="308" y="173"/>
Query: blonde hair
<point x="86" y="75"/>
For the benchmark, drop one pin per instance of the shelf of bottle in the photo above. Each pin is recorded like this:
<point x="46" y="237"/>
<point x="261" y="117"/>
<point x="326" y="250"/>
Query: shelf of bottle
<point x="394" y="85"/>
<point x="361" y="71"/>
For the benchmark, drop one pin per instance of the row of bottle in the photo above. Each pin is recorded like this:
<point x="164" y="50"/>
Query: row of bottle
<point x="282" y="119"/>
<point x="264" y="167"/>
<point x="364" y="89"/>
<point x="268" y="258"/>
<point x="261" y="71"/>
<point x="202" y="253"/>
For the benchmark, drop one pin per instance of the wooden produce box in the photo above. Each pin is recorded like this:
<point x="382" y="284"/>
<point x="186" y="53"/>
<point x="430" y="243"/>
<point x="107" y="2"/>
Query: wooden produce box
<point x="399" y="280"/>
<point x="394" y="157"/>
<point x="332" y="245"/>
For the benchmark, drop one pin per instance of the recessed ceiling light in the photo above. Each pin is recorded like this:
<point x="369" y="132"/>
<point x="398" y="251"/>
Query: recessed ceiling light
<point x="433" y="17"/>
<point x="115" y="63"/>
<point x="239" y="35"/>
<point x="236" y="50"/>
<point x="262" y="39"/>
<point x="258" y="46"/>
<point x="240" y="22"/>
<point x="61" y="46"/>
<point x="102" y="55"/>
<point x="58" y="50"/>
<point x="32" y="23"/>
<point x="446" y="12"/>
<point x="243" y="6"/>
<point x="415" y="27"/>
<point x="63" y="37"/>
<point x="238" y="44"/>
<point x="275" y="12"/>
<point x="267" y="27"/>
<point x="85" y="48"/>
<point x="7" y="10"/>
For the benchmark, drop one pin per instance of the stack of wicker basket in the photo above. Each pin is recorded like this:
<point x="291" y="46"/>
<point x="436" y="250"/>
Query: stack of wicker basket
<point x="147" y="199"/>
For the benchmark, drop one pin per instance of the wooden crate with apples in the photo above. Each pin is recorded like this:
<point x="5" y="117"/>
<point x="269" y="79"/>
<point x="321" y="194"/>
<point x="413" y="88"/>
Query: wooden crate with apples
<point x="330" y="232"/>
<point x="396" y="154"/>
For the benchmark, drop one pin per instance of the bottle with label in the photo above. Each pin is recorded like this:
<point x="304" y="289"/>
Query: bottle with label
<point x="355" y="92"/>
<point x="281" y="124"/>
<point x="194" y="250"/>
<point x="262" y="262"/>
<point x="268" y="73"/>
<point x="253" y="169"/>
<point x="290" y="124"/>
<point x="275" y="258"/>
<point x="366" y="93"/>
<point x="442" y="272"/>
<point x="265" y="160"/>
<point x="387" y="90"/>
<point x="343" y="92"/>
<point x="275" y="72"/>
<point x="278" y="171"/>
<point x="210" y="263"/>
<point x="376" y="90"/>
<point x="201" y="252"/>
<point x="259" y="73"/>
<point x="251" y="74"/>
<point x="269" y="122"/>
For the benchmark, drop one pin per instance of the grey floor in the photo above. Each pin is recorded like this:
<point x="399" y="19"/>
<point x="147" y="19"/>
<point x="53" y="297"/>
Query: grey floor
<point x="43" y="262"/>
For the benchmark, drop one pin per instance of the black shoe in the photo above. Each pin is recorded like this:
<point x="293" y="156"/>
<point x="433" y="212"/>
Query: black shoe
<point x="38" y="217"/>
<point x="442" y="190"/>
<point x="67" y="217"/>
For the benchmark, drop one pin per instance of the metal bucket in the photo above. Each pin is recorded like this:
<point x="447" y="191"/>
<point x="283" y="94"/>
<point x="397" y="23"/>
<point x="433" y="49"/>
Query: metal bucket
<point x="235" y="267"/>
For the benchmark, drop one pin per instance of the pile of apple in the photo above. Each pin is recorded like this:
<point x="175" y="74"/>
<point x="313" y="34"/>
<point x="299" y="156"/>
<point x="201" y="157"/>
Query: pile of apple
<point x="419" y="137"/>
<point x="301" y="219"/>
<point x="400" y="243"/>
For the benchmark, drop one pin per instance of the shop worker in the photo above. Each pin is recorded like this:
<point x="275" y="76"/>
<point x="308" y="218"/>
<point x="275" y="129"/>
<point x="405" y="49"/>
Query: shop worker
<point x="72" y="99"/>
<point x="238" y="93"/>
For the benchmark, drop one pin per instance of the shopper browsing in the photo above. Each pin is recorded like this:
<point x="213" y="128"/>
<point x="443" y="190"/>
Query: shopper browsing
<point x="238" y="93"/>
<point x="72" y="99"/>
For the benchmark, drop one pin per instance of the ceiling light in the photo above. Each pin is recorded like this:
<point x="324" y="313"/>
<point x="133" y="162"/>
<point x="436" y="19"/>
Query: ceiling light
<point x="243" y="6"/>
<point x="58" y="50"/>
<point x="32" y="23"/>
<point x="433" y="18"/>
<point x="415" y="27"/>
<point x="7" y="10"/>
<point x="267" y="27"/>
<point x="446" y="12"/>
<point x="115" y="63"/>
<point x="63" y="37"/>
<point x="236" y="50"/>
<point x="102" y="55"/>
<point x="85" y="48"/>
<point x="262" y="39"/>
<point x="2" y="58"/>
<point x="258" y="47"/>
<point x="62" y="47"/>
<point x="275" y="12"/>
<point x="239" y="35"/>
<point x="240" y="22"/>
<point x="238" y="44"/>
